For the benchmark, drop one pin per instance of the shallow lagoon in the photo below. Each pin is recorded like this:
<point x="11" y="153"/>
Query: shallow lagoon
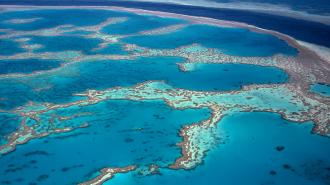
<point x="256" y="148"/>
<point x="322" y="89"/>
<point x="120" y="133"/>
<point x="125" y="132"/>
<point x="62" y="84"/>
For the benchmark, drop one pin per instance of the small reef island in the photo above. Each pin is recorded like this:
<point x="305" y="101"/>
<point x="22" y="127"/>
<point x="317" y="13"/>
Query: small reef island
<point x="111" y="95"/>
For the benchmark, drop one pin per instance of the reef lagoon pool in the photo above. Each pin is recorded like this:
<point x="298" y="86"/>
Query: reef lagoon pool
<point x="321" y="88"/>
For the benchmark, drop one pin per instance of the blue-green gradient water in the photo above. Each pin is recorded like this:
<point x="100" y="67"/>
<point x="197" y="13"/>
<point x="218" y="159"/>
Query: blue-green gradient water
<point x="120" y="133"/>
<point x="256" y="148"/>
<point x="60" y="86"/>
<point x="231" y="41"/>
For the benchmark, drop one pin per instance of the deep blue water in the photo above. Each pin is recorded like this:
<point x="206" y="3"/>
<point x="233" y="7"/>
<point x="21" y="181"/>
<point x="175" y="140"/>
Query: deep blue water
<point x="65" y="43"/>
<point x="88" y="46"/>
<point x="229" y="40"/>
<point x="120" y="133"/>
<point x="322" y="89"/>
<point x="8" y="124"/>
<point x="114" y="49"/>
<point x="8" y="47"/>
<point x="106" y="74"/>
<point x="27" y="66"/>
<point x="139" y="23"/>
<point x="307" y="31"/>
<point x="256" y="148"/>
<point x="312" y="32"/>
<point x="318" y="7"/>
<point x="53" y="18"/>
<point x="311" y="6"/>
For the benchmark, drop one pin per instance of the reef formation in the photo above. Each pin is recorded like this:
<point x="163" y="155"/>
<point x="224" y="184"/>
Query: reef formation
<point x="149" y="37"/>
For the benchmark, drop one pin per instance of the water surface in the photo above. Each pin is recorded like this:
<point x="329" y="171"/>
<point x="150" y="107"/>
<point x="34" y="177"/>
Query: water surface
<point x="256" y="148"/>
<point x="321" y="88"/>
<point x="120" y="133"/>
<point x="232" y="41"/>
<point x="27" y="66"/>
<point x="60" y="85"/>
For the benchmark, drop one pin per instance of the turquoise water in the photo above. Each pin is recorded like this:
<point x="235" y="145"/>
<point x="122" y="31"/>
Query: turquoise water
<point x="105" y="74"/>
<point x="256" y="148"/>
<point x="322" y="89"/>
<point x="27" y="66"/>
<point x="120" y="133"/>
<point x="231" y="41"/>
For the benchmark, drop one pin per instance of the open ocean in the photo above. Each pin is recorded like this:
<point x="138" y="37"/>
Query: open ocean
<point x="308" y="31"/>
